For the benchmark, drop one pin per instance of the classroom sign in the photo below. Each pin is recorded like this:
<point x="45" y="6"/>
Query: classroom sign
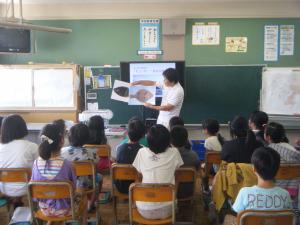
<point x="149" y="37"/>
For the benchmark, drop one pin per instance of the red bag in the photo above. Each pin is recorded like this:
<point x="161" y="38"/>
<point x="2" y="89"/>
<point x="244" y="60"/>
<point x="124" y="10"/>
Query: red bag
<point x="103" y="163"/>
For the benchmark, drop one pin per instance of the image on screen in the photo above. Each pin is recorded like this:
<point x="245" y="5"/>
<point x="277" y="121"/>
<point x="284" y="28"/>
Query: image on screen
<point x="149" y="71"/>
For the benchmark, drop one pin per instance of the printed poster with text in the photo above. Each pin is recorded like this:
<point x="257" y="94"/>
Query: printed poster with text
<point x="150" y="36"/>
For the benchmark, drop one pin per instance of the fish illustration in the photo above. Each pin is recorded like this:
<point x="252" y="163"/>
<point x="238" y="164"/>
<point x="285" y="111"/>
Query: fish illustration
<point x="142" y="95"/>
<point x="122" y="91"/>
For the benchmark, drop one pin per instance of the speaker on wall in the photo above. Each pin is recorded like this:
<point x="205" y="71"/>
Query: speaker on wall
<point x="173" y="26"/>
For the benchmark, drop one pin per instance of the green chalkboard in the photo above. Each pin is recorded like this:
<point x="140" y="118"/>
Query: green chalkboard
<point x="210" y="91"/>
<point x="220" y="92"/>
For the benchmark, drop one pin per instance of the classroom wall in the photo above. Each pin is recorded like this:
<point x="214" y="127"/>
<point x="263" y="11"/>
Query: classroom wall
<point x="163" y="9"/>
<point x="99" y="42"/>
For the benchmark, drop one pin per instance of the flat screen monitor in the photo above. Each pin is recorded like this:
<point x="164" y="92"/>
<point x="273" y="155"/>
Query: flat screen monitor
<point x="15" y="40"/>
<point x="134" y="71"/>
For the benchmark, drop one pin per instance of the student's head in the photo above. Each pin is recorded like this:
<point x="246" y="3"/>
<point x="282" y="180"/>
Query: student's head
<point x="79" y="135"/>
<point x="239" y="127"/>
<point x="61" y="125"/>
<point x="96" y="128"/>
<point x="158" y="138"/>
<point x="211" y="127"/>
<point x="266" y="162"/>
<point x="179" y="136"/>
<point x="257" y="120"/>
<point x="13" y="127"/>
<point x="175" y="121"/>
<point x="96" y="123"/>
<point x="171" y="77"/>
<point x="275" y="133"/>
<point x="136" y="130"/>
<point x="51" y="141"/>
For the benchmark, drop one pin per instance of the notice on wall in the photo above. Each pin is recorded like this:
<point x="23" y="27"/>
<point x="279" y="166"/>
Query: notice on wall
<point x="236" y="44"/>
<point x="149" y="34"/>
<point x="271" y="43"/>
<point x="287" y="35"/>
<point x="101" y="81"/>
<point x="206" y="34"/>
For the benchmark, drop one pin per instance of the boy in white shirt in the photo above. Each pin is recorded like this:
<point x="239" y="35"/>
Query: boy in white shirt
<point x="157" y="164"/>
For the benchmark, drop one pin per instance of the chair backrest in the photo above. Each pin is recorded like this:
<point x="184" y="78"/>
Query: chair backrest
<point x="15" y="175"/>
<point x="211" y="157"/>
<point x="186" y="175"/>
<point x="102" y="150"/>
<point x="122" y="172"/>
<point x="50" y="190"/>
<point x="151" y="193"/>
<point x="262" y="217"/>
<point x="288" y="172"/>
<point x="85" y="168"/>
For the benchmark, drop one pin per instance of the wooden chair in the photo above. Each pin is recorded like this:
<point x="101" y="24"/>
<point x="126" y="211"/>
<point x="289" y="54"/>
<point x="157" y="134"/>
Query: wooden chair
<point x="14" y="175"/>
<point x="263" y="217"/>
<point x="50" y="190"/>
<point x="150" y="193"/>
<point x="101" y="151"/>
<point x="185" y="176"/>
<point x="288" y="172"/>
<point x="87" y="168"/>
<point x="211" y="157"/>
<point x="121" y="172"/>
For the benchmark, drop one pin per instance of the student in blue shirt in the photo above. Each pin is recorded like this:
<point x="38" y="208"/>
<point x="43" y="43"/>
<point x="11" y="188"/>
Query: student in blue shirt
<point x="264" y="195"/>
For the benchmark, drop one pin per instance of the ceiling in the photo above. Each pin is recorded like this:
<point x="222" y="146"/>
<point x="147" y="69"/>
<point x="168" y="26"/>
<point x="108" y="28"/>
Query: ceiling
<point x="136" y="1"/>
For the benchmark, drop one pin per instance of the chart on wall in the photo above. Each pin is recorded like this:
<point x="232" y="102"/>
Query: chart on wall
<point x="281" y="91"/>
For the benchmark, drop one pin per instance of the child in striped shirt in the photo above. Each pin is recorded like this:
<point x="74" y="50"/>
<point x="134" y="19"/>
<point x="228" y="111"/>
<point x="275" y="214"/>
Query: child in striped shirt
<point x="50" y="166"/>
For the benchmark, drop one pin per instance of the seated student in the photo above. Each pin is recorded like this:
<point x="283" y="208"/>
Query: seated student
<point x="79" y="136"/>
<point x="265" y="195"/>
<point x="243" y="143"/>
<point x="175" y="121"/>
<point x="157" y="164"/>
<point x="97" y="137"/>
<point x="257" y="122"/>
<point x="127" y="152"/>
<point x="15" y="152"/>
<point x="214" y="140"/>
<point x="275" y="137"/>
<point x="179" y="138"/>
<point x="142" y="141"/>
<point x="178" y="121"/>
<point x="50" y="166"/>
<point x="63" y="129"/>
<point x="97" y="132"/>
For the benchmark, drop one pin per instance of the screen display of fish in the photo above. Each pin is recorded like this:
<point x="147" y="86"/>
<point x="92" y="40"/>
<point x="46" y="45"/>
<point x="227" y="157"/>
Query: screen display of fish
<point x="138" y="95"/>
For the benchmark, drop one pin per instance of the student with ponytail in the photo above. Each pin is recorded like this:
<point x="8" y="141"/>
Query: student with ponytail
<point x="243" y="143"/>
<point x="50" y="166"/>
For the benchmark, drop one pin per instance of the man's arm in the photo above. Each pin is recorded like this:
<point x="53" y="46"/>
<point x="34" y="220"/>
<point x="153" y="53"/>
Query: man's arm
<point x="144" y="83"/>
<point x="167" y="107"/>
